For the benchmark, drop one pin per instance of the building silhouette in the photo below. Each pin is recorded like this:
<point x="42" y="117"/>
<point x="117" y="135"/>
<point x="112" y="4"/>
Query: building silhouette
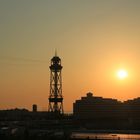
<point x="34" y="108"/>
<point x="90" y="107"/>
<point x="98" y="112"/>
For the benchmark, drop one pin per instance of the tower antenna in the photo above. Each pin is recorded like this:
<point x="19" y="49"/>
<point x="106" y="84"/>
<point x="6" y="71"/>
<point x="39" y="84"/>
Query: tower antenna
<point x="55" y="52"/>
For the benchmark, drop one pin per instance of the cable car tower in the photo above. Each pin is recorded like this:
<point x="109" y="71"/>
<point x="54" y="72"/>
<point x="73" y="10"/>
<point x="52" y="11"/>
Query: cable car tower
<point x="55" y="96"/>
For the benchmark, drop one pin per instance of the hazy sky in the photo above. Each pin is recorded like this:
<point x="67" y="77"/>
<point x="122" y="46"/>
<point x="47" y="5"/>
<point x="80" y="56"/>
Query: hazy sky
<point x="94" y="38"/>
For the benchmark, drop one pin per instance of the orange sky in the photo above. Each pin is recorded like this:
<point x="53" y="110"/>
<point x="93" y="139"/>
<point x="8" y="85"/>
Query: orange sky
<point x="94" y="39"/>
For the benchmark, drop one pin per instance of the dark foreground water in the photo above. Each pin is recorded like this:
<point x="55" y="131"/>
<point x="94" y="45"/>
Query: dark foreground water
<point x="105" y="136"/>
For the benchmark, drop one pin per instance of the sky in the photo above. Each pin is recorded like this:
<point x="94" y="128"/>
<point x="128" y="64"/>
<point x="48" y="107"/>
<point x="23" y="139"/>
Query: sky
<point x="93" y="38"/>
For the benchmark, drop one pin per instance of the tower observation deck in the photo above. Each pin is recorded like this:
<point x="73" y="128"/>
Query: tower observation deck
<point x="55" y="96"/>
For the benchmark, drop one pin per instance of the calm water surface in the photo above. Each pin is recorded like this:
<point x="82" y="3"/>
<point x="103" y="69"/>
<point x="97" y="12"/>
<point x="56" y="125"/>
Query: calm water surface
<point x="106" y="136"/>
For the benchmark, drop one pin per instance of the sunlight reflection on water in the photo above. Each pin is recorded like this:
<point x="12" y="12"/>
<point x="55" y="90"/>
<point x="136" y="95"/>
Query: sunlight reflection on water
<point x="106" y="136"/>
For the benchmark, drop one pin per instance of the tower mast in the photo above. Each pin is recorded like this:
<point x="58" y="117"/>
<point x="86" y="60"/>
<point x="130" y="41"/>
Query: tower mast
<point x="55" y="96"/>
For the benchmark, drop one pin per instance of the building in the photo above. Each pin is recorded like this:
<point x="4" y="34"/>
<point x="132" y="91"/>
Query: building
<point x="91" y="107"/>
<point x="98" y="112"/>
<point x="34" y="108"/>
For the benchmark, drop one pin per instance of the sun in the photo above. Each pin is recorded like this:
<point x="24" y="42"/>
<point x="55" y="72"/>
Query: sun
<point x="122" y="74"/>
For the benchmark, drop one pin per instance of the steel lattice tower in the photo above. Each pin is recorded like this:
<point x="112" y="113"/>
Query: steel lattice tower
<point x="55" y="97"/>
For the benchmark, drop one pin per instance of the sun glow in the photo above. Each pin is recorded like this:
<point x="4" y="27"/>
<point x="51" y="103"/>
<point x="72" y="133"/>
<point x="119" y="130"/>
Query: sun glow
<point x="122" y="74"/>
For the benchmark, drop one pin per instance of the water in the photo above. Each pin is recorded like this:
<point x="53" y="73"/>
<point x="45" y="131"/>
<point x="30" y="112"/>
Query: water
<point x="106" y="136"/>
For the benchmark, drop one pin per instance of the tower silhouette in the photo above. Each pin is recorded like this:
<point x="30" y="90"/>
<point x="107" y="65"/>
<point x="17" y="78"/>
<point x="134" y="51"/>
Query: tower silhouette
<point x="55" y="96"/>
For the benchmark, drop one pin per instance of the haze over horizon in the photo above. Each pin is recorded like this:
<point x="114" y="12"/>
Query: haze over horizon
<point x="93" y="38"/>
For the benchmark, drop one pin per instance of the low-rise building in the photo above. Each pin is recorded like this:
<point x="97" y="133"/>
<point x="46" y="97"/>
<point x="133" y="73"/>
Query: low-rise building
<point x="98" y="112"/>
<point x="91" y="107"/>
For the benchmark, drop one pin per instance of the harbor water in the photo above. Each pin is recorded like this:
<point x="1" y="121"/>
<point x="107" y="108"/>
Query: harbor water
<point x="105" y="136"/>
